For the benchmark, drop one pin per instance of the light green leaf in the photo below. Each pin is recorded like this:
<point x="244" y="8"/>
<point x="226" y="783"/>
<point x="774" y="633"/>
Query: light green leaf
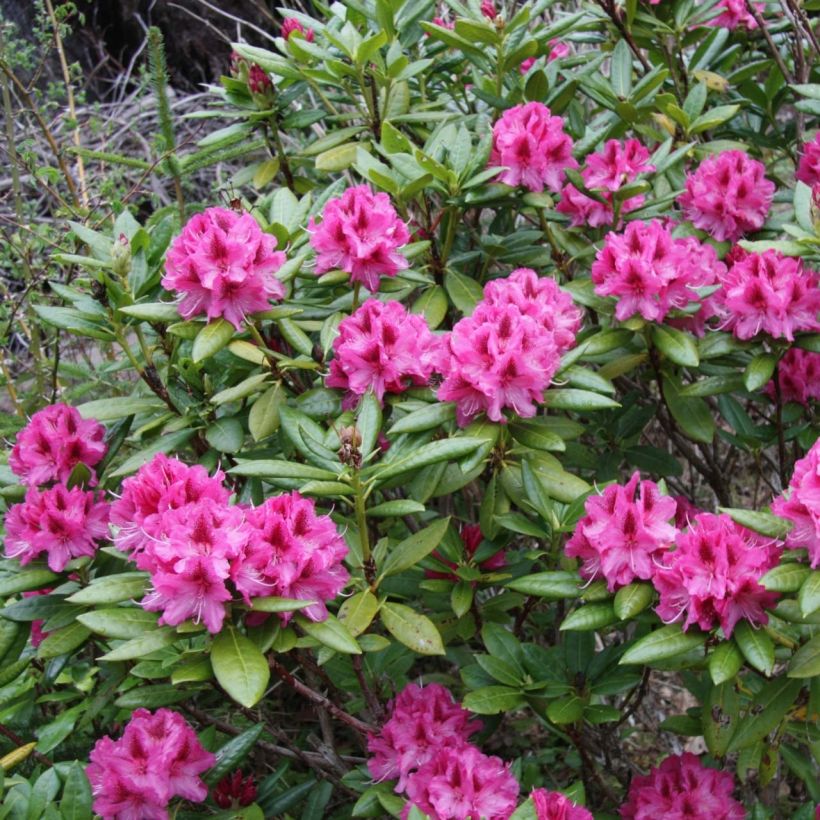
<point x="332" y="633"/>
<point x="239" y="666"/>
<point x="413" y="629"/>
<point x="211" y="339"/>
<point x="419" y="545"/>
<point x="141" y="645"/>
<point x="493" y="700"/>
<point x="756" y="646"/>
<point x="663" y="643"/>
<point x="112" y="589"/>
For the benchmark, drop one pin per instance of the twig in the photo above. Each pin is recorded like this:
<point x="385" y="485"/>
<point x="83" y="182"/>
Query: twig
<point x="761" y="23"/>
<point x="14" y="738"/>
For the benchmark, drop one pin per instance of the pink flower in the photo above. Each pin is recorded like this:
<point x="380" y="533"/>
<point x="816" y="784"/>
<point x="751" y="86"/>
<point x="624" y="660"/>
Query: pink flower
<point x="471" y="538"/>
<point x="808" y="169"/>
<point x="442" y="23"/>
<point x="682" y="787"/>
<point x="607" y="171"/>
<point x="259" y="82"/>
<point x="234" y="791"/>
<point x="360" y="233"/>
<point x="460" y="783"/>
<point x="62" y="523"/>
<point x="685" y="511"/>
<point x="799" y="377"/>
<point x="190" y="561"/>
<point x="53" y="443"/>
<point x="622" y="536"/>
<point x="224" y="265"/>
<point x="727" y="196"/>
<point x="558" y="50"/>
<point x="496" y="359"/>
<point x="161" y="485"/>
<point x="382" y="348"/>
<point x="158" y="757"/>
<point x="652" y="273"/>
<point x="488" y="9"/>
<point x="290" y="25"/>
<point x="735" y="13"/>
<point x="541" y="298"/>
<point x="802" y="505"/>
<point x="292" y="553"/>
<point x="771" y="293"/>
<point x="556" y="806"/>
<point x="534" y="147"/>
<point x="423" y="719"/>
<point x="527" y="64"/>
<point x="713" y="575"/>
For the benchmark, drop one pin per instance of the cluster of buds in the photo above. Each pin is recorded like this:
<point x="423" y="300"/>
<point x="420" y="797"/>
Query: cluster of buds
<point x="254" y="76"/>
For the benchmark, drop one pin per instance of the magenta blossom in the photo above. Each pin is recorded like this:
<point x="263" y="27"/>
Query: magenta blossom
<point x="423" y="719"/>
<point x="62" y="523"/>
<point x="735" y="14"/>
<point x="770" y="293"/>
<point x="606" y="172"/>
<point x="798" y="375"/>
<point x="624" y="533"/>
<point x="727" y="196"/>
<point x="158" y="757"/>
<point x="360" y="233"/>
<point x="291" y="25"/>
<point x="802" y="505"/>
<point x="224" y="265"/>
<point x="382" y="348"/>
<point x="682" y="787"/>
<point x="292" y="553"/>
<point x="161" y="485"/>
<point x="713" y="575"/>
<point x="541" y="298"/>
<point x="53" y="443"/>
<point x="533" y="146"/>
<point x="558" y="50"/>
<point x="461" y="783"/>
<point x="808" y="169"/>
<point x="488" y="9"/>
<point x="494" y="360"/>
<point x="556" y="806"/>
<point x="651" y="273"/>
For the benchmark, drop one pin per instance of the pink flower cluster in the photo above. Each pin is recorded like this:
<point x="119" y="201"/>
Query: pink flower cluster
<point x="624" y="533"/>
<point x="772" y="293"/>
<point x="734" y="14"/>
<point x="290" y="25"/>
<point x="682" y="787"/>
<point x="382" y="348"/>
<point x="802" y="505"/>
<point x="606" y="172"/>
<point x="556" y="806"/>
<point x="799" y="377"/>
<point x="533" y="146"/>
<point x="712" y="576"/>
<point x="158" y="757"/>
<point x="224" y="266"/>
<point x="808" y="169"/>
<point x="53" y="443"/>
<point x="62" y="524"/>
<point x="360" y="233"/>
<point x="177" y="523"/>
<point x="651" y="273"/>
<point x="425" y="746"/>
<point x="727" y="196"/>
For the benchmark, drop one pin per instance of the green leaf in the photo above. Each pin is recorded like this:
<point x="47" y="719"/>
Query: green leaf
<point x="77" y="797"/>
<point x="786" y="578"/>
<point x="332" y="633"/>
<point x="150" y="697"/>
<point x="806" y="661"/>
<point x="712" y="118"/>
<point x="25" y="580"/>
<point x="273" y="469"/>
<point x="633" y="599"/>
<point x="369" y="422"/>
<point x="152" y="311"/>
<point x="676" y="345"/>
<point x="357" y="612"/>
<point x="426" y="418"/>
<point x="419" y="545"/>
<point x="493" y="700"/>
<point x="464" y="293"/>
<point x="620" y="71"/>
<point x="579" y="400"/>
<point x="211" y="339"/>
<point x="247" y="387"/>
<point x="122" y="623"/>
<point x="537" y="436"/>
<point x="263" y="418"/>
<point x="64" y="640"/>
<point x="552" y="585"/>
<point x="399" y="507"/>
<point x="765" y="713"/>
<point x="432" y="304"/>
<point x="275" y="604"/>
<point x="500" y="670"/>
<point x="461" y="598"/>
<point x="411" y="628"/>
<point x="164" y="444"/>
<point x="764" y="523"/>
<point x="724" y="662"/>
<point x="692" y="414"/>
<point x="444" y="450"/>
<point x="117" y="407"/>
<point x="232" y="754"/>
<point x="239" y="666"/>
<point x="720" y="718"/>
<point x="112" y="589"/>
<point x="589" y="617"/>
<point x="809" y="596"/>
<point x="225" y="435"/>
<point x="141" y="645"/>
<point x="758" y="372"/>
<point x="756" y="645"/>
<point x="663" y="643"/>
<point x="339" y="158"/>
<point x="565" y="710"/>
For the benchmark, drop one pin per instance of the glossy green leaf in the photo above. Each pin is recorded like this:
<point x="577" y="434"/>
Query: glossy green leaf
<point x="756" y="646"/>
<point x="112" y="589"/>
<point x="493" y="700"/>
<point x="633" y="599"/>
<point x="589" y="617"/>
<point x="332" y="633"/>
<point x="805" y="663"/>
<point x="211" y="339"/>
<point x="663" y="643"/>
<point x="724" y="662"/>
<point x="414" y="630"/>
<point x="552" y="585"/>
<point x="239" y="666"/>
<point x="677" y="346"/>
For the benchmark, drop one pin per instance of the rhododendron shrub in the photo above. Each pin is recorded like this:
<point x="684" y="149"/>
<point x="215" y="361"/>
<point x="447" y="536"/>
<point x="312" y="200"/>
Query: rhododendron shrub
<point x="435" y="436"/>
